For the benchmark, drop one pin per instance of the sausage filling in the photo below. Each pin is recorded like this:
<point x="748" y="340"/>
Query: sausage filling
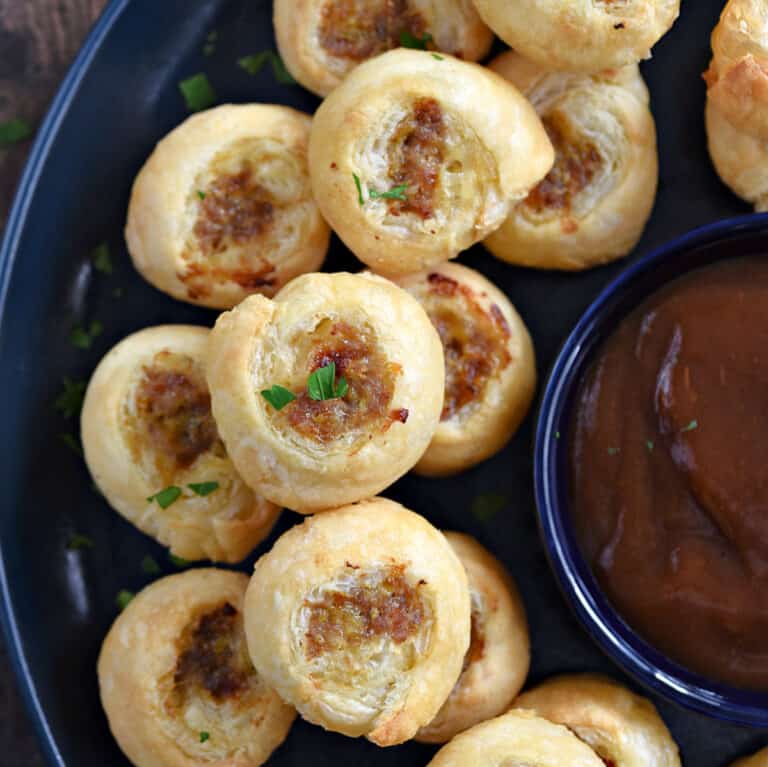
<point x="380" y="604"/>
<point x="577" y="162"/>
<point x="174" y="412"/>
<point x="365" y="408"/>
<point x="357" y="30"/>
<point x="475" y="341"/>
<point x="213" y="660"/>
<point x="417" y="152"/>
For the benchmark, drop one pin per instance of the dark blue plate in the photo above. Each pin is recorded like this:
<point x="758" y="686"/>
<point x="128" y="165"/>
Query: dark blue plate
<point x="120" y="97"/>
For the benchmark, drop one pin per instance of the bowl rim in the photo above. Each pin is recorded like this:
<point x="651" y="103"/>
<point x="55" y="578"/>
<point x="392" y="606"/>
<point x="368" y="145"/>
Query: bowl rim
<point x="601" y="621"/>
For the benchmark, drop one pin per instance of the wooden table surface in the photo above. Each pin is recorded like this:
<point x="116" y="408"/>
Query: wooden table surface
<point x="38" y="40"/>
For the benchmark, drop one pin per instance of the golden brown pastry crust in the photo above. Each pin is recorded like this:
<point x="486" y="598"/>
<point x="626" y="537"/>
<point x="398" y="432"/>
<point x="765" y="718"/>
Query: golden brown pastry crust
<point x="163" y="681"/>
<point x="497" y="661"/>
<point x="516" y="738"/>
<point x="737" y="100"/>
<point x="593" y="205"/>
<point x="311" y="456"/>
<point x="223" y="207"/>
<point x="321" y="41"/>
<point x="146" y="425"/>
<point x="490" y="366"/>
<point x="581" y="35"/>
<point x="759" y="759"/>
<point x="410" y="122"/>
<point x="622" y="728"/>
<point x="737" y="78"/>
<point x="360" y="617"/>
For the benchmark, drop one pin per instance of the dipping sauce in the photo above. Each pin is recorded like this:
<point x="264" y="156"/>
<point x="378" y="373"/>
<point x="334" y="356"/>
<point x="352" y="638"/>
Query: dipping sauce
<point x="669" y="470"/>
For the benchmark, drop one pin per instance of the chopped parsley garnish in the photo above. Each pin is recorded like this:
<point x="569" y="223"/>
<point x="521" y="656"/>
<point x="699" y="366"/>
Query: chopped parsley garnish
<point x="210" y="43"/>
<point x="102" y="259"/>
<point x="198" y="92"/>
<point x="407" y="40"/>
<point x="72" y="442"/>
<point x="149" y="565"/>
<point x="614" y="450"/>
<point x="124" y="598"/>
<point x="253" y="64"/>
<point x="201" y="194"/>
<point x="278" y="396"/>
<point x="204" y="736"/>
<point x="70" y="402"/>
<point x="203" y="488"/>
<point x="178" y="561"/>
<point x="359" y="189"/>
<point x="79" y="542"/>
<point x="438" y="57"/>
<point x="557" y="435"/>
<point x="487" y="505"/>
<point x="82" y="337"/>
<point x="650" y="445"/>
<point x="14" y="132"/>
<point x="694" y="424"/>
<point x="166" y="496"/>
<point x="395" y="193"/>
<point x="322" y="383"/>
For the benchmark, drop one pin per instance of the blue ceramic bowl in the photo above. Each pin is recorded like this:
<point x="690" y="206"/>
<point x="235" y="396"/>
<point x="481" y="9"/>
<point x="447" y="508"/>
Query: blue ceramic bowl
<point x="726" y="239"/>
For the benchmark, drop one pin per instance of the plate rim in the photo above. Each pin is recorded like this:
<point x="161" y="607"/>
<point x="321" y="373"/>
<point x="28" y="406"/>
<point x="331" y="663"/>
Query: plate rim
<point x="14" y="227"/>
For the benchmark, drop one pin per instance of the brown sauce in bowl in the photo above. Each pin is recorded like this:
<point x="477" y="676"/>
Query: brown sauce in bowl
<point x="669" y="470"/>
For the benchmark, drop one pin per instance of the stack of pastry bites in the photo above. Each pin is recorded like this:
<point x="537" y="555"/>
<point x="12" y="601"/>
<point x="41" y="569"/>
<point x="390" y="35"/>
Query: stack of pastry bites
<point x="317" y="391"/>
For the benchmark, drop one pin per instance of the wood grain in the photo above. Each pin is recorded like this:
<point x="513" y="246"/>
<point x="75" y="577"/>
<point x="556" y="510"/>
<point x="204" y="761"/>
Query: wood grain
<point x="38" y="40"/>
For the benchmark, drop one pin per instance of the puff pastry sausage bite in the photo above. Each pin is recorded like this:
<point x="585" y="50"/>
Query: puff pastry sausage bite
<point x="329" y="393"/>
<point x="737" y="100"/>
<point x="580" y="35"/>
<point x="593" y="205"/>
<point x="360" y="617"/>
<point x="176" y="680"/>
<point x="760" y="759"/>
<point x="497" y="661"/>
<point x="321" y="41"/>
<point x="223" y="207"/>
<point x="516" y="738"/>
<point x="624" y="729"/>
<point x="409" y="171"/>
<point x="490" y="369"/>
<point x="154" y="450"/>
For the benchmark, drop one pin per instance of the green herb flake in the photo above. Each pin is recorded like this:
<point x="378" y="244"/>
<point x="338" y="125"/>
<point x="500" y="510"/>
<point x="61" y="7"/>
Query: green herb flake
<point x="198" y="92"/>
<point x="203" y="488"/>
<point x="82" y="337"/>
<point x="407" y="40"/>
<point x="72" y="442"/>
<point x="395" y="193"/>
<point x="278" y="396"/>
<point x="70" y="402"/>
<point x="117" y="292"/>
<point x="254" y="63"/>
<point x="124" y="598"/>
<point x="557" y="435"/>
<point x="166" y="496"/>
<point x="359" y="189"/>
<point x="650" y="445"/>
<point x="102" y="259"/>
<point x="614" y="450"/>
<point x="438" y="57"/>
<point x="14" y="132"/>
<point x="694" y="424"/>
<point x="149" y="565"/>
<point x="201" y="194"/>
<point x="210" y="43"/>
<point x="204" y="736"/>
<point x="79" y="542"/>
<point x="178" y="561"/>
<point x="322" y="384"/>
<point x="487" y="505"/>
